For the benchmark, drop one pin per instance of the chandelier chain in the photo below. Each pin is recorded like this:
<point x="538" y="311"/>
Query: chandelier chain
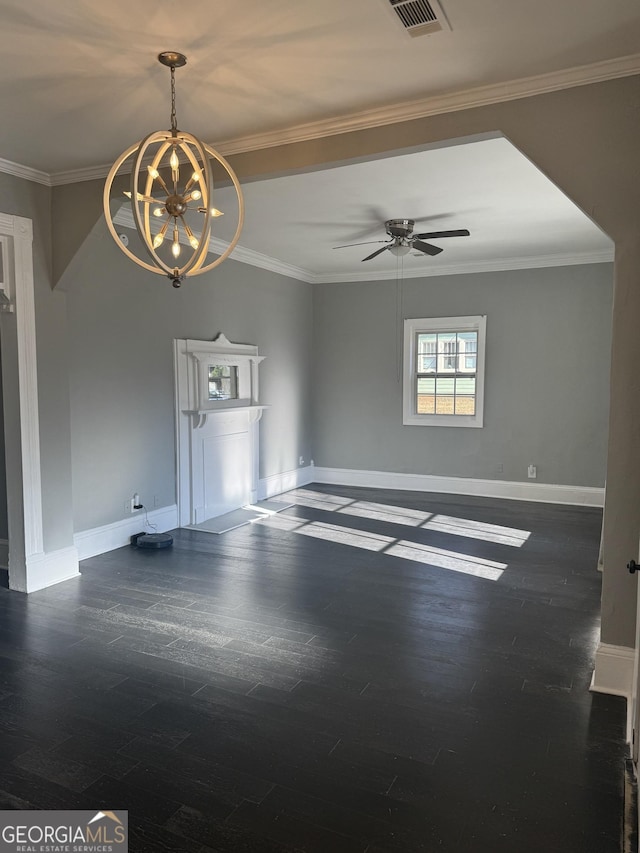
<point x="174" y="124"/>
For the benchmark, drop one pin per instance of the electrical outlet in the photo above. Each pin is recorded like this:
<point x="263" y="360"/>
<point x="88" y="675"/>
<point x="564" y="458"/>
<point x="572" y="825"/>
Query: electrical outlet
<point x="312" y="463"/>
<point x="499" y="468"/>
<point x="532" y="472"/>
<point x="301" y="460"/>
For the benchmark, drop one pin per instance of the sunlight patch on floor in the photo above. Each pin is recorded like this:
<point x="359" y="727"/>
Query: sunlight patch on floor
<point x="384" y="512"/>
<point x="346" y="536"/>
<point x="469" y="565"/>
<point x="410" y="517"/>
<point x="414" y="551"/>
<point x="478" y="530"/>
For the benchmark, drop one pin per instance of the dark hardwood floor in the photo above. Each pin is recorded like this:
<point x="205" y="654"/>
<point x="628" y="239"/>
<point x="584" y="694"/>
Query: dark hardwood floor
<point x="365" y="671"/>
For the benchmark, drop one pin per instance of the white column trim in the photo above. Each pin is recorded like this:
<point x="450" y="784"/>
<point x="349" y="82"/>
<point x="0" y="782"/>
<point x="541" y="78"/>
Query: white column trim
<point x="28" y="386"/>
<point x="51" y="567"/>
<point x="24" y="485"/>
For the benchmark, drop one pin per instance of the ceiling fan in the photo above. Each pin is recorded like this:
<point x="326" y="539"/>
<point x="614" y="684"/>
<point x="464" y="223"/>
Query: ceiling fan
<point x="403" y="239"/>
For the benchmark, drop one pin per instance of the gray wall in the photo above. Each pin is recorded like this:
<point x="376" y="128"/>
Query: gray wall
<point x="585" y="140"/>
<point x="546" y="387"/>
<point x="122" y="322"/>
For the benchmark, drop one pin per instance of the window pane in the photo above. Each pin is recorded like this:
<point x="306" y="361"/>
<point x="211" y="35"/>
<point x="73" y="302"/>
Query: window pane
<point x="445" y="405"/>
<point x="468" y="341"/>
<point x="426" y="364"/>
<point x="465" y="396"/>
<point x="426" y="343"/>
<point x="445" y="385"/>
<point x="425" y="401"/>
<point x="445" y="388"/>
<point x="426" y="385"/>
<point x="465" y="406"/>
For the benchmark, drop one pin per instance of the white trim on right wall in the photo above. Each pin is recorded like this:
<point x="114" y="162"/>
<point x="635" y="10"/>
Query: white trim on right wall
<point x="521" y="491"/>
<point x="613" y="674"/>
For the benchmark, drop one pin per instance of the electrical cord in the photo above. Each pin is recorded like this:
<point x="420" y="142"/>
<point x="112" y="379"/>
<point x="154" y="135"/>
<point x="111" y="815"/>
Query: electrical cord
<point x="147" y="523"/>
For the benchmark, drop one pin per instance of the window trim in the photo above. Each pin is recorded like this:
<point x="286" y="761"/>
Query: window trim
<point x="425" y="325"/>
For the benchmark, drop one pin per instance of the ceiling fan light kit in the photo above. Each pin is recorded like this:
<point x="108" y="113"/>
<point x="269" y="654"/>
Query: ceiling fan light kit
<point x="403" y="240"/>
<point x="171" y="196"/>
<point x="400" y="248"/>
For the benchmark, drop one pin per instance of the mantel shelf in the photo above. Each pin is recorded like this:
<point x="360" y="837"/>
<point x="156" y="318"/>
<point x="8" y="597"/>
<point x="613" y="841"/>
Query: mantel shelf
<point x="200" y="415"/>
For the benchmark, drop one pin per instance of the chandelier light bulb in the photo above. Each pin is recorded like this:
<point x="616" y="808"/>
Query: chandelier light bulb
<point x="161" y="153"/>
<point x="159" y="238"/>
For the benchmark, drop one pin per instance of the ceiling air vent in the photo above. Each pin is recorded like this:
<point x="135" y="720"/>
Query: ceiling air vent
<point x="420" y="17"/>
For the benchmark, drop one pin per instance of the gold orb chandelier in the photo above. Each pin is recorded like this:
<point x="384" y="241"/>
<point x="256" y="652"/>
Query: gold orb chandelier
<point x="171" y="196"/>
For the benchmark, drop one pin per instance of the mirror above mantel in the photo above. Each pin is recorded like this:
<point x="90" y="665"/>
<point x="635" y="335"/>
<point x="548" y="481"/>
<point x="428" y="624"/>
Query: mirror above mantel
<point x="224" y="378"/>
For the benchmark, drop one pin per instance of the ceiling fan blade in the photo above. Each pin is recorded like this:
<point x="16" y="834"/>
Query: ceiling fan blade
<point x="436" y="235"/>
<point x="367" y="243"/>
<point x="427" y="248"/>
<point x="377" y="252"/>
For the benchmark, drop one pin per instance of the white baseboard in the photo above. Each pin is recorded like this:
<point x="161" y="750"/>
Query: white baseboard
<point x="49" y="568"/>
<point x="541" y="492"/>
<point x="278" y="483"/>
<point x="613" y="674"/>
<point x="4" y="553"/>
<point x="613" y="671"/>
<point x="99" y="540"/>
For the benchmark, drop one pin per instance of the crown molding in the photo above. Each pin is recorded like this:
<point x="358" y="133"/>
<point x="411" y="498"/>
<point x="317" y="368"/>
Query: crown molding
<point x="583" y="75"/>
<point x="8" y="167"/>
<point x="257" y="259"/>
<point x="124" y="217"/>
<point x="77" y="176"/>
<point x="603" y="256"/>
<point x="512" y="90"/>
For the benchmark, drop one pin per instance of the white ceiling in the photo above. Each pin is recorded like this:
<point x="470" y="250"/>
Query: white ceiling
<point x="81" y="83"/>
<point x="516" y="216"/>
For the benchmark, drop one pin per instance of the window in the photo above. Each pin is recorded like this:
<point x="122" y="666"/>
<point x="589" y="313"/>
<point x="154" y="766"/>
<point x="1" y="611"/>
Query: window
<point x="444" y="371"/>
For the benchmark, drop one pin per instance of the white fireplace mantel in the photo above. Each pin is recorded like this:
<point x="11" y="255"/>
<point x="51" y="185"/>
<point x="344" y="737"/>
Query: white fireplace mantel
<point x="199" y="416"/>
<point x="218" y="410"/>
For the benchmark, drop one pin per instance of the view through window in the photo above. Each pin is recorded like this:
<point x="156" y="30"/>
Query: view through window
<point x="444" y="371"/>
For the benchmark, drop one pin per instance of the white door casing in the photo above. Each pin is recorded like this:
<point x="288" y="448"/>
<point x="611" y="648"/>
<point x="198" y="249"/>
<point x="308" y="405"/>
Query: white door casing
<point x="217" y="440"/>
